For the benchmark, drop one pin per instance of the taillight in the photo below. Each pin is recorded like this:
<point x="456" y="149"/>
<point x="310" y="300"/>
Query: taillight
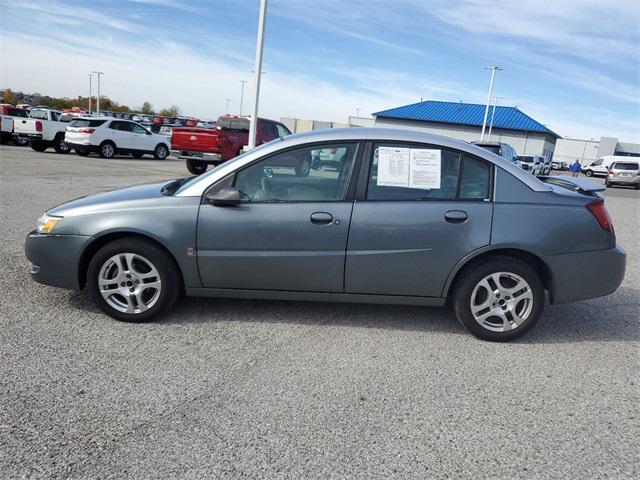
<point x="599" y="211"/>
<point x="87" y="130"/>
<point x="38" y="126"/>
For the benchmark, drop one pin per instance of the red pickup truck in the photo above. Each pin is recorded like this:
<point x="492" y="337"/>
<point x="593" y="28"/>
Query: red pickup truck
<point x="202" y="147"/>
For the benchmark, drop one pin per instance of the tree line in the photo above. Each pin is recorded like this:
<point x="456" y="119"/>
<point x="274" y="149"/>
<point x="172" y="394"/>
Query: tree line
<point x="15" y="98"/>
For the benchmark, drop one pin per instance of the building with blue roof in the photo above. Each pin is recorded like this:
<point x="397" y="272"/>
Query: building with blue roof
<point x="464" y="121"/>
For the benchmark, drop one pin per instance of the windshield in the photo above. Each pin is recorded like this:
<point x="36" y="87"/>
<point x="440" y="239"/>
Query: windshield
<point x="83" y="123"/>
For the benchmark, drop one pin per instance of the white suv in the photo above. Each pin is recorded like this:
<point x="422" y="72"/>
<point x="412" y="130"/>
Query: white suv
<point x="108" y="136"/>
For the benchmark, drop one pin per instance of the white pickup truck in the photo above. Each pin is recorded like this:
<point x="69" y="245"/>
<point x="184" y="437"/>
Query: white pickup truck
<point x="44" y="128"/>
<point x="8" y="113"/>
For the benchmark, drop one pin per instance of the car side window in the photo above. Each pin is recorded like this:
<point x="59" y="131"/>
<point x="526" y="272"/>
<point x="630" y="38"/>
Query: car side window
<point x="427" y="182"/>
<point x="475" y="180"/>
<point x="138" y="128"/>
<point x="55" y="116"/>
<point x="306" y="174"/>
<point x="282" y="130"/>
<point x="597" y="162"/>
<point x="268" y="129"/>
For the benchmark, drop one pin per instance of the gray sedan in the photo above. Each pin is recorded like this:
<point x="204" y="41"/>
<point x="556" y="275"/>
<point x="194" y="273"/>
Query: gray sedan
<point x="394" y="217"/>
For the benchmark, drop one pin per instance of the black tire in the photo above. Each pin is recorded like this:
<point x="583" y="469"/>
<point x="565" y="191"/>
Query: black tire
<point x="38" y="145"/>
<point x="137" y="154"/>
<point x="472" y="277"/>
<point x="588" y="173"/>
<point x="303" y="168"/>
<point x="607" y="184"/>
<point x="5" y="138"/>
<point x="168" y="273"/>
<point x="60" y="146"/>
<point x="107" y="149"/>
<point x="82" y="152"/>
<point x="197" y="167"/>
<point x="161" y="152"/>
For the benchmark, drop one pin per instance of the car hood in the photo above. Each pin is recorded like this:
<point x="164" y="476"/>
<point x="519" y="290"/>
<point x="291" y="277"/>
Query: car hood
<point x="123" y="198"/>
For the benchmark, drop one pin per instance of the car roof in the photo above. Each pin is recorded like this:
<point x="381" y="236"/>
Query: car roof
<point x="196" y="187"/>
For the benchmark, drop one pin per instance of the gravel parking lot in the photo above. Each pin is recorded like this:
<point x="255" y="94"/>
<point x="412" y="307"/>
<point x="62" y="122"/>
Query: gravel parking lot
<point x="265" y="389"/>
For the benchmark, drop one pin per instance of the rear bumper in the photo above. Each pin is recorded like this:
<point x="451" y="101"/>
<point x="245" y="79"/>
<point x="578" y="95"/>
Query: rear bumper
<point x="633" y="180"/>
<point x="30" y="136"/>
<point x="54" y="259"/>
<point x="203" y="156"/>
<point x="578" y="276"/>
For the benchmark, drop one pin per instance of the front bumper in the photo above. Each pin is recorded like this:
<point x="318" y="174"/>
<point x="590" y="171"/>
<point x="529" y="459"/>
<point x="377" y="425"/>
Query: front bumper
<point x="55" y="259"/>
<point x="582" y="275"/>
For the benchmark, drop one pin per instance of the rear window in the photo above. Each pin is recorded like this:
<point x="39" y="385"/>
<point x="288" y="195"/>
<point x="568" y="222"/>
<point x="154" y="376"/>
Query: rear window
<point x="83" y="123"/>
<point x="16" y="112"/>
<point x="626" y="166"/>
<point x="239" y="124"/>
<point x="526" y="159"/>
<point x="40" y="114"/>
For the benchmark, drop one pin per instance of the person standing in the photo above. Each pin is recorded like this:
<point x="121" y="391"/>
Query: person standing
<point x="575" y="168"/>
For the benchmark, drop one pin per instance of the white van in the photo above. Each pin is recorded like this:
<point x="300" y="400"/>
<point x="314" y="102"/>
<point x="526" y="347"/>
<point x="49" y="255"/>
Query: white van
<point x="601" y="165"/>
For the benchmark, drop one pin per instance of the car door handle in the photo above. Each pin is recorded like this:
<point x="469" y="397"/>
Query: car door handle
<point x="321" y="218"/>
<point x="456" y="216"/>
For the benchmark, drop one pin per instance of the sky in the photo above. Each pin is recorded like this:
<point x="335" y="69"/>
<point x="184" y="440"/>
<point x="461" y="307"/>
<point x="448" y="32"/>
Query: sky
<point x="571" y="65"/>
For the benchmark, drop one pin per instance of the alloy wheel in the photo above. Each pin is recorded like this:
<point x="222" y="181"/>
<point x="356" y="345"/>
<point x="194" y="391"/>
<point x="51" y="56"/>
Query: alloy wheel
<point x="107" y="150"/>
<point x="501" y="301"/>
<point x="129" y="283"/>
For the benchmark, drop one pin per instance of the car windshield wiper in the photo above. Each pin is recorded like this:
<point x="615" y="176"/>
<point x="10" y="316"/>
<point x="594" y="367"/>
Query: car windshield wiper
<point x="172" y="187"/>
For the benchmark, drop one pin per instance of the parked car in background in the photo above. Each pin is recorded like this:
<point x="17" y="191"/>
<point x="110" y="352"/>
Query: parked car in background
<point x="24" y="106"/>
<point x="206" y="124"/>
<point x="546" y="166"/>
<point x="503" y="150"/>
<point x="366" y="232"/>
<point x="8" y="113"/>
<point x="43" y="129"/>
<point x="626" y="173"/>
<point x="201" y="147"/>
<point x="601" y="165"/>
<point x="557" y="165"/>
<point x="109" y="136"/>
<point x="528" y="163"/>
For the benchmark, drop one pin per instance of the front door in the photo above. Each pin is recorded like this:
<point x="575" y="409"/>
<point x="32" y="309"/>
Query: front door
<point x="288" y="233"/>
<point x="425" y="208"/>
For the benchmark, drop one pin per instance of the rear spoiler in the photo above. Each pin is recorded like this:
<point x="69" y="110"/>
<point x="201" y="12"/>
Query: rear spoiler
<point x="576" y="184"/>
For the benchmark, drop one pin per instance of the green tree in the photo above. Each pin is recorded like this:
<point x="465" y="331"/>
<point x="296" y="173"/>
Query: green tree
<point x="147" y="108"/>
<point x="9" y="97"/>
<point x="172" y="111"/>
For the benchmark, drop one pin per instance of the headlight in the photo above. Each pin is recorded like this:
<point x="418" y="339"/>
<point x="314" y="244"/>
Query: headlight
<point x="46" y="223"/>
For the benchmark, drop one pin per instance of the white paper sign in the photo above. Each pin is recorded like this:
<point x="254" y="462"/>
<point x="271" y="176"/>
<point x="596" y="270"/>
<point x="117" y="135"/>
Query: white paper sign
<point x="393" y="166"/>
<point x="424" y="169"/>
<point x="409" y="167"/>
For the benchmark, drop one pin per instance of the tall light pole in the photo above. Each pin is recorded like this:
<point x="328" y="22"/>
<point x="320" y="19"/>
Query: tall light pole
<point x="258" y="71"/>
<point x="242" y="94"/>
<point x="486" y="108"/>
<point x="357" y="112"/>
<point x="98" y="97"/>
<point x="227" y="107"/>
<point x="90" y="91"/>
<point x="493" y="112"/>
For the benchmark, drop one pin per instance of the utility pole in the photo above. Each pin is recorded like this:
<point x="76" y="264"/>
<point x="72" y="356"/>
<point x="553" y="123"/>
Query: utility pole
<point x="258" y="71"/>
<point x="227" y="107"/>
<point x="493" y="112"/>
<point x="242" y="94"/>
<point x="486" y="108"/>
<point x="90" y="91"/>
<point x="357" y="112"/>
<point x="98" y="74"/>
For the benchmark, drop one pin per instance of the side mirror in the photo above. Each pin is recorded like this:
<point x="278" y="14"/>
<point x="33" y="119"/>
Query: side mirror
<point x="224" y="197"/>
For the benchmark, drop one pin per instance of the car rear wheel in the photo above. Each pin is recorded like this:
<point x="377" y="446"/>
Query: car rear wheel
<point x="60" y="146"/>
<point x="499" y="299"/>
<point x="133" y="280"/>
<point x="197" y="167"/>
<point x="38" y="145"/>
<point x="588" y="173"/>
<point x="107" y="149"/>
<point x="161" y="152"/>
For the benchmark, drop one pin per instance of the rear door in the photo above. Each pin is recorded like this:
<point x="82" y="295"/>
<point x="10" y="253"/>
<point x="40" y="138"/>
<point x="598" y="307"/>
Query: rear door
<point x="288" y="233"/>
<point x="419" y="210"/>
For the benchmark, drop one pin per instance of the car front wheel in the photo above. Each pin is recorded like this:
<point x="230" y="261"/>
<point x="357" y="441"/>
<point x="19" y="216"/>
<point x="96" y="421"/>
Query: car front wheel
<point x="133" y="280"/>
<point x="499" y="299"/>
<point x="161" y="152"/>
<point x="588" y="173"/>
